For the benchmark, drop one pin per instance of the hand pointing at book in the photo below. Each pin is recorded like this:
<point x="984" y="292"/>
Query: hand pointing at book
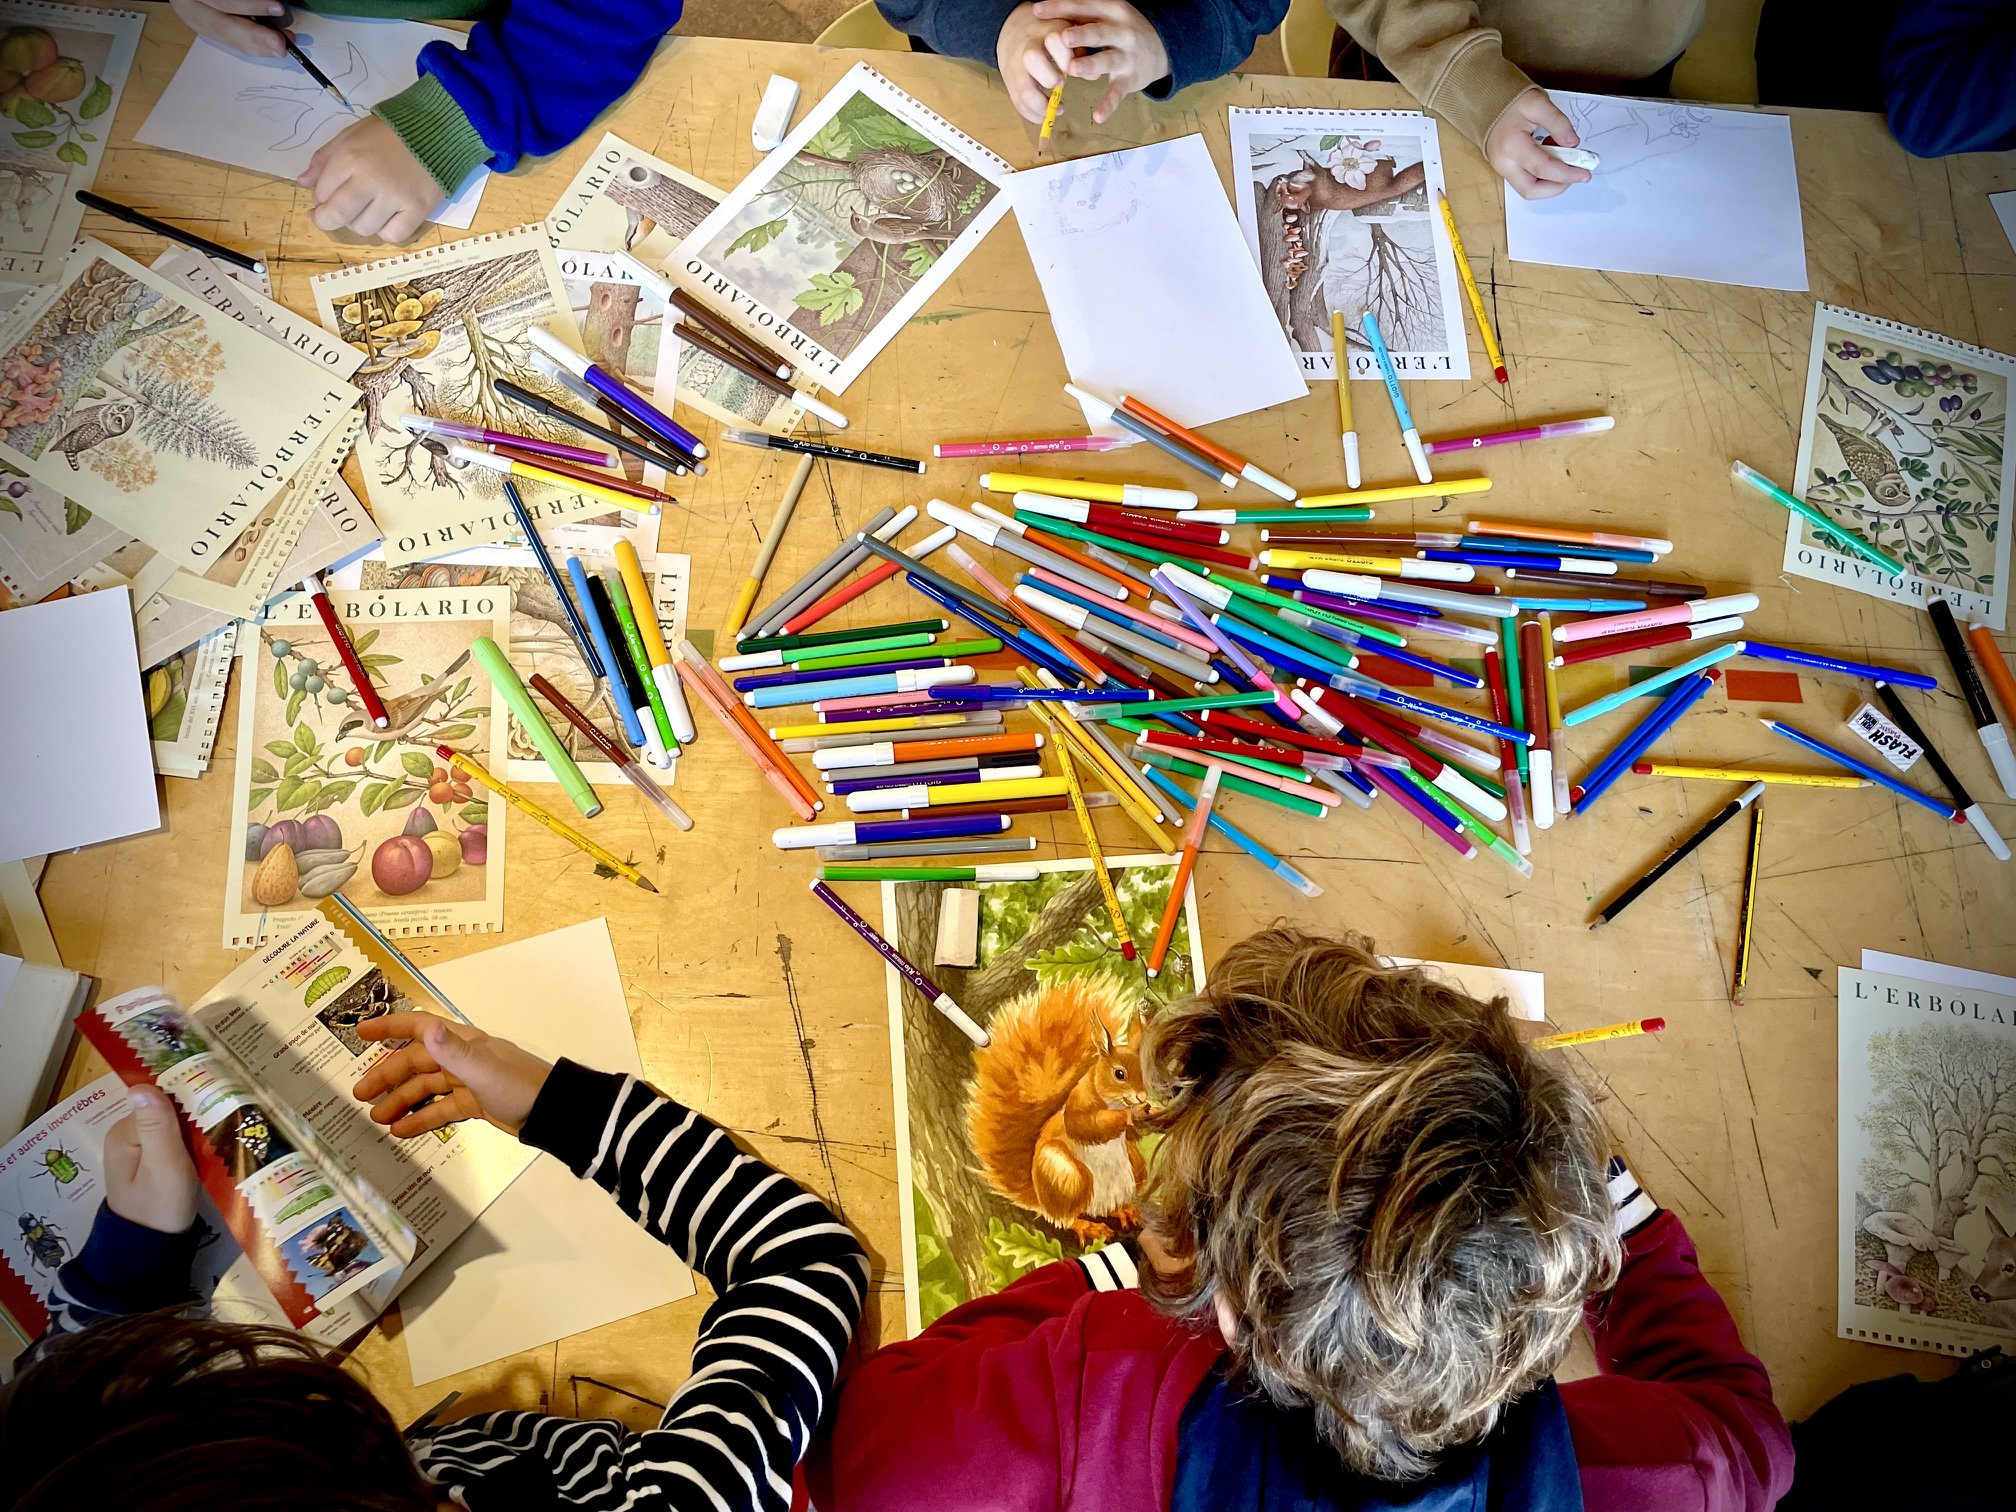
<point x="466" y="1073"/>
<point x="149" y="1178"/>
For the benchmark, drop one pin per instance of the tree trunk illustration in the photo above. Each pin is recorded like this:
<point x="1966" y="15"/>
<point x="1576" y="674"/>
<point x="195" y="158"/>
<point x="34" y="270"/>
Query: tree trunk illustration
<point x="939" y="1067"/>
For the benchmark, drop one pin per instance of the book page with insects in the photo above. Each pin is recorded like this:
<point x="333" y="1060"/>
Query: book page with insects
<point x="1905" y="441"/>
<point x="321" y="801"/>
<point x="69" y="64"/>
<point x="137" y="399"/>
<point x="626" y="200"/>
<point x="844" y="232"/>
<point x="1339" y="211"/>
<point x="438" y="328"/>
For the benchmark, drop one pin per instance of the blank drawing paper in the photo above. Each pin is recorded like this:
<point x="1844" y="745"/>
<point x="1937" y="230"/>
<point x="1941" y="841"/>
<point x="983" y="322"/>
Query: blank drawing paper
<point x="266" y="114"/>
<point x="1150" y="285"/>
<point x="554" y="1256"/>
<point x="1682" y="191"/>
<point x="74" y="738"/>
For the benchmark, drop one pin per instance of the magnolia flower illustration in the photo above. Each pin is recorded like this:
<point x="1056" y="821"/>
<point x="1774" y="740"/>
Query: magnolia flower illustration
<point x="1351" y="160"/>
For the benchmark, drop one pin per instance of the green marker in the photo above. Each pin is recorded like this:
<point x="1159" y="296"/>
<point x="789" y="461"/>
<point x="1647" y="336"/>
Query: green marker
<point x="1472" y="825"/>
<point x="797" y="656"/>
<point x="948" y="651"/>
<point x="1261" y="595"/>
<point x="1744" y="472"/>
<point x="1356" y="514"/>
<point x="1072" y="532"/>
<point x="1508" y="647"/>
<point x="1233" y="784"/>
<point x="1155" y="708"/>
<point x="838" y="637"/>
<point x="1258" y="763"/>
<point x="633" y="643"/>
<point x="504" y="678"/>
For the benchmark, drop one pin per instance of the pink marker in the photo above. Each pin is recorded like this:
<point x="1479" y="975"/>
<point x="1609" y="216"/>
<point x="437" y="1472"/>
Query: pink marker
<point x="1033" y="444"/>
<point x="1553" y="428"/>
<point x="456" y="430"/>
<point x="1652" y="619"/>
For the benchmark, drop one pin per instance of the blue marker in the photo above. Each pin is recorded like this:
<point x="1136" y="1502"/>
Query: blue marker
<point x="598" y="631"/>
<point x="1635" y="744"/>
<point x="1239" y="837"/>
<point x="1407" y="432"/>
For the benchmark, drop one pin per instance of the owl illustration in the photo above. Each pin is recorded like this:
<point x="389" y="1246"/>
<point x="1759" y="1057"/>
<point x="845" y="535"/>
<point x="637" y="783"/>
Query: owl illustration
<point x="88" y="427"/>
<point x="1873" y="467"/>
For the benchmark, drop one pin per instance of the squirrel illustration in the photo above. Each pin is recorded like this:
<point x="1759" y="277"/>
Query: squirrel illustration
<point x="1052" y="1107"/>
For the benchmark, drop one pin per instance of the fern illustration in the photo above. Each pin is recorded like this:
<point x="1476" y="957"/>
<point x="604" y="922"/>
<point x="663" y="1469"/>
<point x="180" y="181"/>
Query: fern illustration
<point x="176" y="416"/>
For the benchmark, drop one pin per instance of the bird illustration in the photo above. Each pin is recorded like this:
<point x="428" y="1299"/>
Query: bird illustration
<point x="1873" y="467"/>
<point x="405" y="710"/>
<point x="88" y="427"/>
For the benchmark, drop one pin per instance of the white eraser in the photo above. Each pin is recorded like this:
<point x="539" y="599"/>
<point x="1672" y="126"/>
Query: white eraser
<point x="1574" y="157"/>
<point x="958" y="928"/>
<point x="773" y="116"/>
<point x="1897" y="748"/>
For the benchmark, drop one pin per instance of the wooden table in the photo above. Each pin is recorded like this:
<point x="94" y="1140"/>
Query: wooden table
<point x="752" y="1003"/>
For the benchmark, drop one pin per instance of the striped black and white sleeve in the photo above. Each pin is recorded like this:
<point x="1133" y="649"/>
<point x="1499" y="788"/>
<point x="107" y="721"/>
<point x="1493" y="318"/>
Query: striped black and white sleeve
<point x="1631" y="1205"/>
<point x="789" y="1281"/>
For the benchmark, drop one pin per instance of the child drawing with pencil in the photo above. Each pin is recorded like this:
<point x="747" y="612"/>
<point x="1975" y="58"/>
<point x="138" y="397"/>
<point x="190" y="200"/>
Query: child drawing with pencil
<point x="533" y="76"/>
<point x="1373" y="1221"/>
<point x="1158" y="48"/>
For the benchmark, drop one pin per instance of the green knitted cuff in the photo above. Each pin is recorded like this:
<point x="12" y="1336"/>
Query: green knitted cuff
<point x="436" y="131"/>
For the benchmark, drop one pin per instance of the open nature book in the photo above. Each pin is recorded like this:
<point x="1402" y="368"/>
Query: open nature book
<point x="333" y="1212"/>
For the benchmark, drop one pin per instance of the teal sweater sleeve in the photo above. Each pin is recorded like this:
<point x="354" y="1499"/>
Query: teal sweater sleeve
<point x="529" y="82"/>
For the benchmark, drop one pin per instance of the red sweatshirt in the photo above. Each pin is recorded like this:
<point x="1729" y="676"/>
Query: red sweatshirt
<point x="1065" y="1392"/>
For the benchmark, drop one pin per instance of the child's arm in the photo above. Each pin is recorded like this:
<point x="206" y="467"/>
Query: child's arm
<point x="789" y="1278"/>
<point x="143" y="1240"/>
<point x="1949" y="76"/>
<point x="1682" y="1415"/>
<point x="528" y="83"/>
<point x="1456" y="66"/>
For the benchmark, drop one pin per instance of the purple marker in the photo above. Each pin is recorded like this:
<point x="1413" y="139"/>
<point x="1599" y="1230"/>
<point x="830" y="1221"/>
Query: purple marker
<point x="1164" y="577"/>
<point x="926" y="988"/>
<point x="1006" y="765"/>
<point x="868" y="831"/>
<point x="456" y="430"/>
<point x="615" y="390"/>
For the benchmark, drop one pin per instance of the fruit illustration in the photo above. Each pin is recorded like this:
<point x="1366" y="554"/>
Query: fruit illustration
<point x="284" y="832"/>
<point x="25" y="49"/>
<point x="420" y="822"/>
<point x="254" y="835"/>
<point x="401" y="865"/>
<point x="354" y="756"/>
<point x="476" y="844"/>
<point x="321" y="833"/>
<point x="278" y="879"/>
<point x="61" y="81"/>
<point x="447" y="852"/>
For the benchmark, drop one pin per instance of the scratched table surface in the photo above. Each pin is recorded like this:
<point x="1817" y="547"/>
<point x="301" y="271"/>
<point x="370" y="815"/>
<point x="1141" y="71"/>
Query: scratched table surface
<point x="755" y="1005"/>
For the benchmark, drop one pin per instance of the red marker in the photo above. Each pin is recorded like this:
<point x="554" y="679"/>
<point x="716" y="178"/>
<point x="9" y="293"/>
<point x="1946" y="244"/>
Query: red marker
<point x="360" y="680"/>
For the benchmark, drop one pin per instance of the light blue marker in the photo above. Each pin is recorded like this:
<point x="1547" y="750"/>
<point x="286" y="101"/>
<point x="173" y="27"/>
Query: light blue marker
<point x="606" y="646"/>
<point x="909" y="680"/>
<point x="1408" y="434"/>
<point x="1239" y="837"/>
<point x="1651" y="684"/>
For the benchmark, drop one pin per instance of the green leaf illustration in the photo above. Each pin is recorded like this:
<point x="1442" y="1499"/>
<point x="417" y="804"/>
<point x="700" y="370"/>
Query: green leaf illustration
<point x="449" y="734"/>
<point x="756" y="238"/>
<point x="35" y="138"/>
<point x="30" y="111"/>
<point x="1324" y="144"/>
<point x="304" y="739"/>
<point x="96" y="102"/>
<point x="280" y="748"/>
<point x="375" y="794"/>
<point x="294" y="702"/>
<point x="379" y="751"/>
<point x="257" y="797"/>
<point x="918" y="258"/>
<point x="75" y="517"/>
<point x="834" y="295"/>
<point x="362" y="643"/>
<point x="374" y="662"/>
<point x="70" y="152"/>
<point x="264" y="770"/>
<point x="1014" y="1249"/>
<point x="296" y="791"/>
<point x="11" y="507"/>
<point x="474" y="813"/>
<point x="416" y="764"/>
<point x="279" y="678"/>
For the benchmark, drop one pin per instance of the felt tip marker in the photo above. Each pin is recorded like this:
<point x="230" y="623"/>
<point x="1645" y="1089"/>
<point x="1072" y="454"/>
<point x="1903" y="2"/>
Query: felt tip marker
<point x="869" y="831"/>
<point x="920" y="795"/>
<point x="1211" y="449"/>
<point x="614" y="389"/>
<point x="1133" y="495"/>
<point x="1988" y="729"/>
<point x="1347" y="426"/>
<point x="1408" y="434"/>
<point x="820" y="449"/>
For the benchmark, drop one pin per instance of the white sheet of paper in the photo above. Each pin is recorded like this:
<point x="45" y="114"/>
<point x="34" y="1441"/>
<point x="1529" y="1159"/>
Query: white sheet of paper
<point x="74" y="740"/>
<point x="1150" y="285"/>
<point x="1525" y="992"/>
<point x="554" y="1255"/>
<point x="1683" y="191"/>
<point x="266" y="114"/>
<point x="1931" y="971"/>
<point x="2005" y="212"/>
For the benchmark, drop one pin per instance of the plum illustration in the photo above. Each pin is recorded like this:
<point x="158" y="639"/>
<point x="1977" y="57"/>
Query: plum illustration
<point x="284" y="832"/>
<point x="401" y="865"/>
<point x="420" y="822"/>
<point x="321" y="833"/>
<point x="476" y="844"/>
<point x="254" y="834"/>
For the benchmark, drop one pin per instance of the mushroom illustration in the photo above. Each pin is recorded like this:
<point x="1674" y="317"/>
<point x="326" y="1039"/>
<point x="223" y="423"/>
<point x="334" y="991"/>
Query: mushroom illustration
<point x="1904" y="1234"/>
<point x="1897" y="1286"/>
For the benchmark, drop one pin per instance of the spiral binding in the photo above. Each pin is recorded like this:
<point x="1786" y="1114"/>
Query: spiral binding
<point x="1910" y="332"/>
<point x="455" y="252"/>
<point x="922" y="114"/>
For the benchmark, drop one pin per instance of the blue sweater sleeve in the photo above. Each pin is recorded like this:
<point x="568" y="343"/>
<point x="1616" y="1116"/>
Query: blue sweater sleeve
<point x="124" y="1268"/>
<point x="1949" y="76"/>
<point x="532" y="80"/>
<point x="1205" y="39"/>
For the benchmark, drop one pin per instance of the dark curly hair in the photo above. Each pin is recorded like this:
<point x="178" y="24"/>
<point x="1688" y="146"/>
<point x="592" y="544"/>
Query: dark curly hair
<point x="164" y="1412"/>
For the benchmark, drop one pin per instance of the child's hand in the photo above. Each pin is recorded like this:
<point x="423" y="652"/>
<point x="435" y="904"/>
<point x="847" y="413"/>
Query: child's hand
<point x="1520" y="160"/>
<point x="223" y="22"/>
<point x="367" y="180"/>
<point x="149" y="1178"/>
<point x="1119" y="44"/>
<point x="471" y="1074"/>
<point x="1029" y="68"/>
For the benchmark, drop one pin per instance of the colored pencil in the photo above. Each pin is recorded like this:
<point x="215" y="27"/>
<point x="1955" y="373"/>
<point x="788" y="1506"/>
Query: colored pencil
<point x="1745" y="935"/>
<point x="924" y="986"/>
<point x="1470" y="288"/>
<point x="1186" y="862"/>
<point x="525" y="805"/>
<point x="1745" y="473"/>
<point x="1096" y="855"/>
<point x="351" y="912"/>
<point x="1592" y="1036"/>
<point x="163" y="229"/>
<point x="360" y="678"/>
<point x="1880" y="778"/>
<point x="1678" y="854"/>
<point x="1819" y="663"/>
<point x="821" y="450"/>
<point x="745" y="595"/>
<point x="583" y="642"/>
<point x="1746" y="774"/>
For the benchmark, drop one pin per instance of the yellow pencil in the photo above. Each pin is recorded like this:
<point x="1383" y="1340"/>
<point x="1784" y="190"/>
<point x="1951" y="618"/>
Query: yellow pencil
<point x="1050" y="112"/>
<point x="1347" y="427"/>
<point x="1384" y="491"/>
<point x="525" y="805"/>
<point x="1143" y="810"/>
<point x="1092" y="851"/>
<point x="868" y="726"/>
<point x="1591" y="1036"/>
<point x="1747" y="774"/>
<point x="1470" y="287"/>
<point x="1749" y="905"/>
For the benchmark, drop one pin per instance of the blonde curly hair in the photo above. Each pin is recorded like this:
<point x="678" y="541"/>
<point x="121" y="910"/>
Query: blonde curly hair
<point x="1404" y="1209"/>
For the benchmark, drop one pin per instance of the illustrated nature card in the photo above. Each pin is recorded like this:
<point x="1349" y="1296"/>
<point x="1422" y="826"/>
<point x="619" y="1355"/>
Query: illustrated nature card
<point x="988" y="1190"/>
<point x="438" y="328"/>
<point x="46" y="539"/>
<point x="185" y="702"/>
<point x="1905" y="442"/>
<point x="1339" y="210"/>
<point x="626" y="200"/>
<point x="69" y="65"/>
<point x="847" y="228"/>
<point x="138" y="400"/>
<point x="1927" y="1249"/>
<point x="321" y="801"/>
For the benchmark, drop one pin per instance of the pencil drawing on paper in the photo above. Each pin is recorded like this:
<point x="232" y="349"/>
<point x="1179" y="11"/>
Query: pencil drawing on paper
<point x="1028" y="1150"/>
<point x="1625" y="133"/>
<point x="299" y="113"/>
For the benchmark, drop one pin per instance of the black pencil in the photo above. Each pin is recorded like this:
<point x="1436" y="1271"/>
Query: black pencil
<point x="566" y="416"/>
<point x="147" y="222"/>
<point x="1680" y="852"/>
<point x="307" y="63"/>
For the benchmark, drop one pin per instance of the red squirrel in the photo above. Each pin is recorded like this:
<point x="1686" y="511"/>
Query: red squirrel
<point x="1052" y="1108"/>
